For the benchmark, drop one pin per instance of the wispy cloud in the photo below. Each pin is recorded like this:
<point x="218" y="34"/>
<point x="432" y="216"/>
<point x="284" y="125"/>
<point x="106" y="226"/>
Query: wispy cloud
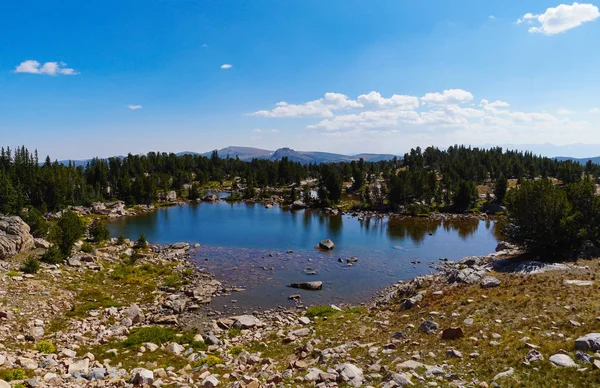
<point x="595" y="110"/>
<point x="564" y="111"/>
<point x="226" y="66"/>
<point x="49" y="68"/>
<point x="259" y="130"/>
<point x="560" y="18"/>
<point x="134" y="107"/>
<point x="491" y="17"/>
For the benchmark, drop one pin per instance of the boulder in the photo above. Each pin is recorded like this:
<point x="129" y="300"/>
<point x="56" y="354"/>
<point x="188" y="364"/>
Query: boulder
<point x="326" y="244"/>
<point x="14" y="237"/>
<point x="589" y="341"/>
<point x="41" y="243"/>
<point x="135" y="313"/>
<point x="428" y="327"/>
<point x="180" y="245"/>
<point x="562" y="360"/>
<point x="175" y="348"/>
<point x="211" y="381"/>
<point x="308" y="285"/>
<point x="141" y="376"/>
<point x="504" y="246"/>
<point x="210" y="198"/>
<point x="297" y="205"/>
<point x="351" y="374"/>
<point x="4" y="384"/>
<point x="246" y="322"/>
<point x="80" y="368"/>
<point x="489" y="282"/>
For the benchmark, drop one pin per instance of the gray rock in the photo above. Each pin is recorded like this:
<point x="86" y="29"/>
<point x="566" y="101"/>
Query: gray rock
<point x="428" y="327"/>
<point x="246" y="322"/>
<point x="534" y="356"/>
<point x="581" y="356"/>
<point x="180" y="245"/>
<point x="589" y="341"/>
<point x="489" y="282"/>
<point x="507" y="373"/>
<point x="326" y="244"/>
<point x="452" y="353"/>
<point x="301" y="332"/>
<point x="142" y="376"/>
<point x="351" y="374"/>
<point x="135" y="313"/>
<point x="175" y="348"/>
<point x="562" y="360"/>
<point x="80" y="368"/>
<point x="211" y="381"/>
<point x="308" y="285"/>
<point x="14" y="237"/>
<point x="4" y="384"/>
<point x="576" y="282"/>
<point x="97" y="374"/>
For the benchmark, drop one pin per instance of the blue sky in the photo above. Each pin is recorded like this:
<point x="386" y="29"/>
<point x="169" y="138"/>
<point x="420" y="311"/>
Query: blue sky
<point x="471" y="72"/>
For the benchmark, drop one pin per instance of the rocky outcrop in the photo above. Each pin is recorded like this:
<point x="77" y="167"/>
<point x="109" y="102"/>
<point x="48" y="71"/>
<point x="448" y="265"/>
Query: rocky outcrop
<point x="14" y="237"/>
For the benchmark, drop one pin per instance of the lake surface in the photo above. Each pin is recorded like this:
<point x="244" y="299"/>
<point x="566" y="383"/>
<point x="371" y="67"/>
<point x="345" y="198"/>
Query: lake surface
<point x="247" y="245"/>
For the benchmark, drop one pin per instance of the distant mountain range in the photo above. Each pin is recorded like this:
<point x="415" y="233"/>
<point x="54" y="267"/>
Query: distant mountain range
<point x="583" y="161"/>
<point x="305" y="157"/>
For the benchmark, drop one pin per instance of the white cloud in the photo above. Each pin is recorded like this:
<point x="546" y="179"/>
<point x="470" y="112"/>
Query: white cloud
<point x="375" y="99"/>
<point x="451" y="96"/>
<point x="49" y="68"/>
<point x="595" y="110"/>
<point x="561" y="18"/>
<point x="226" y="66"/>
<point x="259" y="130"/>
<point x="496" y="104"/>
<point x="134" y="107"/>
<point x="564" y="111"/>
<point x="449" y="115"/>
<point x="323" y="107"/>
<point x="491" y="17"/>
<point x="204" y="45"/>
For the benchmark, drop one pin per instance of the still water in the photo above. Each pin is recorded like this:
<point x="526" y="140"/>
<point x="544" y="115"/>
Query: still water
<point x="247" y="245"/>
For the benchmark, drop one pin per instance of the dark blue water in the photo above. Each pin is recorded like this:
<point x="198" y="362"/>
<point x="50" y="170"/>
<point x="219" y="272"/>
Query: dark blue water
<point x="246" y="245"/>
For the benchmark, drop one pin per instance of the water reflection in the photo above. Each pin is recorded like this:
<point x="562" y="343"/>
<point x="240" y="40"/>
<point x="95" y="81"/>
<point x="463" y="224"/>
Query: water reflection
<point x="415" y="229"/>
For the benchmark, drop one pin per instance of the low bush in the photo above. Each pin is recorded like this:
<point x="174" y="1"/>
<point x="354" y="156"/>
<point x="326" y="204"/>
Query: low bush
<point x="52" y="256"/>
<point x="87" y="247"/>
<point x="45" y="347"/>
<point x="31" y="265"/>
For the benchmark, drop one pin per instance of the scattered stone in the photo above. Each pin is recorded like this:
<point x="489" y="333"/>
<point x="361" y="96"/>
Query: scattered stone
<point x="533" y="356"/>
<point x="428" y="327"/>
<point x="246" y="322"/>
<point x="142" y="376"/>
<point x="452" y="353"/>
<point x="589" y="341"/>
<point x="351" y="374"/>
<point x="489" y="282"/>
<point x="562" y="360"/>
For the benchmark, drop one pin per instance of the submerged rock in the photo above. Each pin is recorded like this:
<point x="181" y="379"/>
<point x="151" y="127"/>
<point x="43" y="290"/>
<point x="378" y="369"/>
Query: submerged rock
<point x="326" y="244"/>
<point x="308" y="285"/>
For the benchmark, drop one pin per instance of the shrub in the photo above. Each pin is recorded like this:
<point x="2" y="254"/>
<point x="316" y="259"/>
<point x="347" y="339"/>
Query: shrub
<point x="38" y="225"/>
<point x="210" y="361"/>
<point x="87" y="247"/>
<point x="141" y="242"/>
<point x="31" y="265"/>
<point x="236" y="350"/>
<point x="45" y="347"/>
<point x="98" y="231"/>
<point x="121" y="240"/>
<point x="52" y="256"/>
<point x="12" y="374"/>
<point x="71" y="229"/>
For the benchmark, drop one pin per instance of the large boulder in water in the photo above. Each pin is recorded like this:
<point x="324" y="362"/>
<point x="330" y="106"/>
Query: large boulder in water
<point x="297" y="205"/>
<point x="308" y="285"/>
<point x="14" y="237"/>
<point x="326" y="244"/>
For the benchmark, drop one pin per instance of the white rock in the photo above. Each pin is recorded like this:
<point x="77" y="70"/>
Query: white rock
<point x="562" y="360"/>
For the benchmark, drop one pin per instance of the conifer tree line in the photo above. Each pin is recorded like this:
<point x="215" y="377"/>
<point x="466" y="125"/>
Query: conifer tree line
<point x="446" y="177"/>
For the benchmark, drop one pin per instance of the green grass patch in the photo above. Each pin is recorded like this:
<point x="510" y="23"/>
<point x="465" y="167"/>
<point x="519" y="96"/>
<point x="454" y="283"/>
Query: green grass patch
<point x="320" y="311"/>
<point x="12" y="374"/>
